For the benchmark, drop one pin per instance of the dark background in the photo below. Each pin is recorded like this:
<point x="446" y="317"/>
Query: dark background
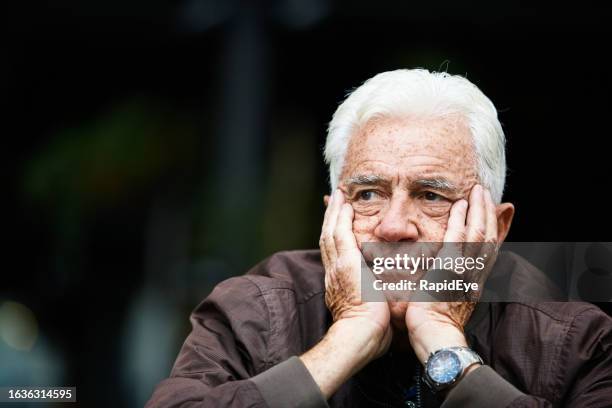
<point x="155" y="148"/>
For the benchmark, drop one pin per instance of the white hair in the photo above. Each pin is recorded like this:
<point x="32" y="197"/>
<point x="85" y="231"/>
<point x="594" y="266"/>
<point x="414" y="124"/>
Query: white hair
<point x="410" y="92"/>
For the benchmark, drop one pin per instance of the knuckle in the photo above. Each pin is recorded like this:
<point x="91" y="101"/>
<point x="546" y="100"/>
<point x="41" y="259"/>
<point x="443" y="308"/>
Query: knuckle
<point x="479" y="234"/>
<point x="492" y="240"/>
<point x="338" y="236"/>
<point x="327" y="238"/>
<point x="341" y="263"/>
<point x="460" y="235"/>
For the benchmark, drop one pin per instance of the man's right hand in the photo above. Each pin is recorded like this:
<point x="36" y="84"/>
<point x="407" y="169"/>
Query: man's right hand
<point x="361" y="330"/>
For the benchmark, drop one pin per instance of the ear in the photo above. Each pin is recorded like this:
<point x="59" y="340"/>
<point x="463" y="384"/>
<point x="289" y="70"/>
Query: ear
<point x="504" y="213"/>
<point x="326" y="200"/>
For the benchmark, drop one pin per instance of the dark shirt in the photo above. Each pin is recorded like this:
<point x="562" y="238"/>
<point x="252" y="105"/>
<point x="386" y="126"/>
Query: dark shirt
<point x="247" y="333"/>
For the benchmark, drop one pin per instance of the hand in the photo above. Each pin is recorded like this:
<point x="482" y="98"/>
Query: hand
<point x="434" y="325"/>
<point x="342" y="260"/>
<point x="361" y="330"/>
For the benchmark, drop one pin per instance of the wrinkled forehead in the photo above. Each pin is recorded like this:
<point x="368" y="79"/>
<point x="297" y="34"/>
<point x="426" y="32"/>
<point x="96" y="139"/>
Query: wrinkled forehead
<point x="409" y="145"/>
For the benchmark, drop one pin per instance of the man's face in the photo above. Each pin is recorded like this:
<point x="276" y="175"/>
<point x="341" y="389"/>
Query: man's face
<point x="402" y="176"/>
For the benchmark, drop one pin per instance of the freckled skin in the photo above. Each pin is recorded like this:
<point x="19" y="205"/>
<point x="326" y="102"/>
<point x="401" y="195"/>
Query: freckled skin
<point x="386" y="195"/>
<point x="402" y="151"/>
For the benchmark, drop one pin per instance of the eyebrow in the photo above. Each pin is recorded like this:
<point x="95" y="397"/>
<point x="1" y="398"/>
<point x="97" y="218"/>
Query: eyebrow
<point x="366" y="180"/>
<point x="436" y="183"/>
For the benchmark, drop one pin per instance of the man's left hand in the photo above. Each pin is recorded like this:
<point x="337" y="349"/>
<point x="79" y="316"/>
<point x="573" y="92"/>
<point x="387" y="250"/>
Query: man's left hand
<point x="435" y="325"/>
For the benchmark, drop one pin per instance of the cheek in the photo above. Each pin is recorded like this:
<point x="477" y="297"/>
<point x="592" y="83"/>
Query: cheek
<point x="432" y="229"/>
<point x="364" y="226"/>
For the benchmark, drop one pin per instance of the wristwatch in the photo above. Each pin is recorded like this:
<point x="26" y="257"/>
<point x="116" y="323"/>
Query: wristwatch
<point x="444" y="367"/>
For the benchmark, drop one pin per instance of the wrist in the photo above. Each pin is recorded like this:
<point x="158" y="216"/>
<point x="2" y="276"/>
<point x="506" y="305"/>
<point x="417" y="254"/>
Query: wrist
<point x="346" y="348"/>
<point x="358" y="338"/>
<point x="431" y="338"/>
<point x="448" y="366"/>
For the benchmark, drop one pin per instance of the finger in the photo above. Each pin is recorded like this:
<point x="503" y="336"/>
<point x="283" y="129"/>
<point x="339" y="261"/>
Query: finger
<point x="349" y="256"/>
<point x="327" y="234"/>
<point x="491" y="232"/>
<point x="487" y="250"/>
<point x="328" y="250"/>
<point x="343" y="234"/>
<point x="326" y="216"/>
<point x="455" y="230"/>
<point x="476" y="217"/>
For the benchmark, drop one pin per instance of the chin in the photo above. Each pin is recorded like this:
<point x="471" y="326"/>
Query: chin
<point x="398" y="316"/>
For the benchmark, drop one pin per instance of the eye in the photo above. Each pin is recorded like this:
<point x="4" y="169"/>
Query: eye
<point x="366" y="195"/>
<point x="430" y="196"/>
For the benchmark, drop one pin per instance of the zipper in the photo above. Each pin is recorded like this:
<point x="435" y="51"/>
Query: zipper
<point x="417" y="378"/>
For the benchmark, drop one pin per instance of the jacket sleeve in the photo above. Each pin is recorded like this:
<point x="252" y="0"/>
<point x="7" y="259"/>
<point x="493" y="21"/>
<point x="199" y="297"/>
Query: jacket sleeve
<point x="224" y="360"/>
<point x="582" y="378"/>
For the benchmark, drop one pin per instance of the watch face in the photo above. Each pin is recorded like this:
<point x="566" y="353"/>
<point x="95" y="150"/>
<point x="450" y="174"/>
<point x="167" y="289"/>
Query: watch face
<point x="444" y="367"/>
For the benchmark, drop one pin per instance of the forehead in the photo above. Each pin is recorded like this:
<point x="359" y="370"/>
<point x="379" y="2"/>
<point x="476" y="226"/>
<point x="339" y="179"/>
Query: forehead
<point x="411" y="146"/>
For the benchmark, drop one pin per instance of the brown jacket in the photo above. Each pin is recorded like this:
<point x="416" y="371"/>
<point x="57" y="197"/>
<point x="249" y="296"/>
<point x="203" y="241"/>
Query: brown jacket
<point x="246" y="334"/>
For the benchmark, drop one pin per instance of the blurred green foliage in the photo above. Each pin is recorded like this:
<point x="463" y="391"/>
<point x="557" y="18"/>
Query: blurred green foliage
<point x="111" y="157"/>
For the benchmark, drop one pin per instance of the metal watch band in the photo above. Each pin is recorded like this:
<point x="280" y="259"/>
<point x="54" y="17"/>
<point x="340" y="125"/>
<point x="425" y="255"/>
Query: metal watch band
<point x="467" y="357"/>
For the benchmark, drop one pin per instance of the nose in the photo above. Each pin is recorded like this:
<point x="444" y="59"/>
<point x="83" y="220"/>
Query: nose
<point x="397" y="224"/>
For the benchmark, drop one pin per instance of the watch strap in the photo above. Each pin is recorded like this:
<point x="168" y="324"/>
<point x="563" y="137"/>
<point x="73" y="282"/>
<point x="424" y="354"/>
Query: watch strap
<point x="467" y="357"/>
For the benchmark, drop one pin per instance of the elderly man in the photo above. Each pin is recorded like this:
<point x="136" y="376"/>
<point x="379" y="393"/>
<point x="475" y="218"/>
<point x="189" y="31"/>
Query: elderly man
<point x="414" y="156"/>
